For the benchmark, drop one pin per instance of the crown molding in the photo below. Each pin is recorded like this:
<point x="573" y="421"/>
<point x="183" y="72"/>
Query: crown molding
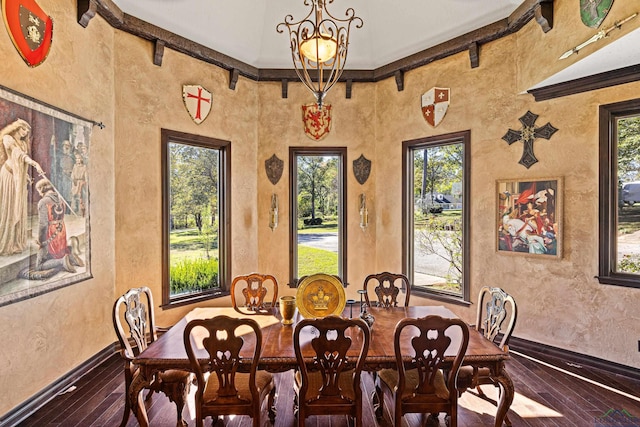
<point x="540" y="10"/>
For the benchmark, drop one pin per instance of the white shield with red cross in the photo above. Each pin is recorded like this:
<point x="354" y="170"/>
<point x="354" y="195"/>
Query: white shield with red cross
<point x="197" y="100"/>
<point x="435" y="103"/>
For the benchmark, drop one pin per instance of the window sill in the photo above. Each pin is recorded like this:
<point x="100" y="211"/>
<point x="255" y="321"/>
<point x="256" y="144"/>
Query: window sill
<point x="451" y="299"/>
<point x="192" y="299"/>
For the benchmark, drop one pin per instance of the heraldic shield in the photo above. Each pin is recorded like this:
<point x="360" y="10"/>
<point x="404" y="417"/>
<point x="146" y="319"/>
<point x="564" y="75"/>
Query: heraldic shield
<point x="274" y="167"/>
<point x="361" y="169"/>
<point x="30" y="29"/>
<point x="435" y="103"/>
<point x="593" y="12"/>
<point x="317" y="123"/>
<point x="197" y="100"/>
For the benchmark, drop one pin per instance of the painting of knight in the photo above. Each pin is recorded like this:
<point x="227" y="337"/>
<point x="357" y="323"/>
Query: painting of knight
<point x="529" y="217"/>
<point x="44" y="198"/>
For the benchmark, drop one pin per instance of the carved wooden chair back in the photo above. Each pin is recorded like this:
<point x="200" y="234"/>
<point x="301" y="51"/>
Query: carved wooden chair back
<point x="222" y="388"/>
<point x="496" y="319"/>
<point x="328" y="381"/>
<point x="255" y="291"/>
<point x="134" y="323"/>
<point x="497" y="314"/>
<point x="422" y="389"/>
<point x="387" y="288"/>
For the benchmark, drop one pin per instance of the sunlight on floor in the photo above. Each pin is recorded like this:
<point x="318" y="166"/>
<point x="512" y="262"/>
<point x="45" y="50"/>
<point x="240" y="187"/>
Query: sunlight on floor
<point x="522" y="405"/>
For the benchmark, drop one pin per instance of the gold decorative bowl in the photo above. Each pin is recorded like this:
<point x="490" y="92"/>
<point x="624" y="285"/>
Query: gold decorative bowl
<point x="320" y="295"/>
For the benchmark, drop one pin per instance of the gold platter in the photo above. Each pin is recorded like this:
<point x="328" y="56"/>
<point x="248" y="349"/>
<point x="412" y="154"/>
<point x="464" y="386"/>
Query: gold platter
<point x="320" y="295"/>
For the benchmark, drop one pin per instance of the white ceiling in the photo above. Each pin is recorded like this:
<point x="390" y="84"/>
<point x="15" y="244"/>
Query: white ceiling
<point x="246" y="29"/>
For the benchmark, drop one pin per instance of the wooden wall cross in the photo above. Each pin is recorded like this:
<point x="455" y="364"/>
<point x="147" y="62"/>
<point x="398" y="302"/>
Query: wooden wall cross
<point x="527" y="135"/>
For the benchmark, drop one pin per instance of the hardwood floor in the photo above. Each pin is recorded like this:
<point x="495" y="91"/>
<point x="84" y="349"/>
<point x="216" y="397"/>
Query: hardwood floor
<point x="545" y="396"/>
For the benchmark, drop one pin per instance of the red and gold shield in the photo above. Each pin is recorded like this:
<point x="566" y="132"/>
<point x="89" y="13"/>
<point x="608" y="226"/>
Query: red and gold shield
<point x="30" y="28"/>
<point x="317" y="123"/>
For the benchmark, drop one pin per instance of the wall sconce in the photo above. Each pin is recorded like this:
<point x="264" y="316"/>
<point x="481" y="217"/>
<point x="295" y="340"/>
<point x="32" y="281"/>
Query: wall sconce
<point x="273" y="212"/>
<point x="364" y="213"/>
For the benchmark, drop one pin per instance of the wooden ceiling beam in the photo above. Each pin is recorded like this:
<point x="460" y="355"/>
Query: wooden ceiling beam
<point x="541" y="10"/>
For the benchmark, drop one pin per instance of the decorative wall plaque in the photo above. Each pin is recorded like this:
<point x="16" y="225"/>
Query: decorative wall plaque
<point x="527" y="135"/>
<point x="30" y="28"/>
<point x="435" y="103"/>
<point x="362" y="169"/>
<point x="197" y="101"/>
<point x="593" y="12"/>
<point x="274" y="166"/>
<point x="317" y="122"/>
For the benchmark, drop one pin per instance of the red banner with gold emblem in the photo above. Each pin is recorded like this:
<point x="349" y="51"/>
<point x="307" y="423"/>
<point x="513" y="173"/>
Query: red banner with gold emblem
<point x="30" y="28"/>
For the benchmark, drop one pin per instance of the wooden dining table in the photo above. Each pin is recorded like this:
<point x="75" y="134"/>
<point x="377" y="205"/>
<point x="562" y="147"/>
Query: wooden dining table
<point x="278" y="354"/>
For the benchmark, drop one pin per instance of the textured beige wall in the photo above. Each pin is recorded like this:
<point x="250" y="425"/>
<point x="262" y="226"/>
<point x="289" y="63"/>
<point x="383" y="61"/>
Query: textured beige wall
<point x="149" y="98"/>
<point x="107" y="75"/>
<point x="586" y="317"/>
<point x="45" y="337"/>
<point x="281" y="127"/>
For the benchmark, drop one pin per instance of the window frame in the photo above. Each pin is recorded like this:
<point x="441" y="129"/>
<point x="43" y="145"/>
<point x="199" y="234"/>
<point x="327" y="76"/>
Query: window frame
<point x="608" y="192"/>
<point x="341" y="153"/>
<point x="408" y="147"/>
<point x="224" y="212"/>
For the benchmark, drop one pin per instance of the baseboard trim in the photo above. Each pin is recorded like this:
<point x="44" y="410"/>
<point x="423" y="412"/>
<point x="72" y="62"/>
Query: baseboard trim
<point x="531" y="348"/>
<point x="37" y="401"/>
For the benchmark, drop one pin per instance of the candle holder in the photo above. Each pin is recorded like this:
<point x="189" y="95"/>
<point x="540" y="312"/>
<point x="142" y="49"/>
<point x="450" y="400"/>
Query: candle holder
<point x="350" y="303"/>
<point x="362" y="293"/>
<point x="273" y="212"/>
<point x="364" y="212"/>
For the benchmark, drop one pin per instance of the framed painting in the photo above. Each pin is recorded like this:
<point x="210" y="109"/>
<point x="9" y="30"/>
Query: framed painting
<point x="529" y="217"/>
<point x="44" y="198"/>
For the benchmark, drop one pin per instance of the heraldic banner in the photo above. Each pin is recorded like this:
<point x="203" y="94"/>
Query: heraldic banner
<point x="44" y="198"/>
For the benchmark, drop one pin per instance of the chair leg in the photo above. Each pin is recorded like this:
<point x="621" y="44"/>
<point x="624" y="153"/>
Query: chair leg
<point x="271" y="405"/>
<point x="127" y="411"/>
<point x="127" y="404"/>
<point x="377" y="397"/>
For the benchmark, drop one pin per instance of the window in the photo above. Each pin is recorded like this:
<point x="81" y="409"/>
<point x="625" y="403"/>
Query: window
<point x="318" y="213"/>
<point x="620" y="194"/>
<point x="436" y="215"/>
<point x="196" y="238"/>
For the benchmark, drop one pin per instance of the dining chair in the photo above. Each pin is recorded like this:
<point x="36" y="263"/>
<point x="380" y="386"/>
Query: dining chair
<point x="496" y="319"/>
<point x="328" y="378"/>
<point x="387" y="288"/>
<point x="224" y="387"/>
<point x="135" y="307"/>
<point x="255" y="290"/>
<point x="418" y="383"/>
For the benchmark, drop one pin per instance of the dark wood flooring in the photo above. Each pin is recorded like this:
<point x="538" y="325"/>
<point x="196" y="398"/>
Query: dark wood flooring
<point x="544" y="397"/>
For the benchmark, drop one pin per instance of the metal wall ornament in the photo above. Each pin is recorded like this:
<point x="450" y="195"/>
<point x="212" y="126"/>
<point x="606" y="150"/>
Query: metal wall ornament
<point x="598" y="36"/>
<point x="527" y="135"/>
<point x="30" y="29"/>
<point x="316" y="121"/>
<point x="435" y="103"/>
<point x="273" y="167"/>
<point x="361" y="169"/>
<point x="197" y="101"/>
<point x="593" y="12"/>
<point x="364" y="212"/>
<point x="273" y="212"/>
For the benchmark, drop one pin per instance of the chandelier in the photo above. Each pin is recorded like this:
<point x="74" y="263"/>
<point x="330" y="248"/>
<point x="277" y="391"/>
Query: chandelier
<point x="319" y="45"/>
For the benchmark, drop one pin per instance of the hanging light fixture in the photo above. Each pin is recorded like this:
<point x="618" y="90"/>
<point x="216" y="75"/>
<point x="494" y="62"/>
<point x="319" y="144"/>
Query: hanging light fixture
<point x="319" y="45"/>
